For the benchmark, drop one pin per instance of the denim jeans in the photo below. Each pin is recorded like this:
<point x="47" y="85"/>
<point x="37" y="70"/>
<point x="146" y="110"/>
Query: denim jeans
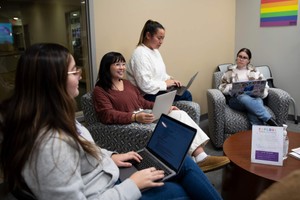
<point x="186" y="96"/>
<point x="190" y="183"/>
<point x="254" y="106"/>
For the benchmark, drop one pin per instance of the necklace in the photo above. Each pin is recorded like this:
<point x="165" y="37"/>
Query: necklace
<point x="121" y="86"/>
<point x="116" y="87"/>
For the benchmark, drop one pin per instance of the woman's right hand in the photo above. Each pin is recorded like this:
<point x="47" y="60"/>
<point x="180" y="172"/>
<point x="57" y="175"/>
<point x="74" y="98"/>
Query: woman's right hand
<point x="145" y="118"/>
<point x="172" y="82"/>
<point x="146" y="178"/>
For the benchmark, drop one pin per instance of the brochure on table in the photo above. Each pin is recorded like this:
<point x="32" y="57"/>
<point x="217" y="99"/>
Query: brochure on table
<point x="267" y="145"/>
<point x="295" y="153"/>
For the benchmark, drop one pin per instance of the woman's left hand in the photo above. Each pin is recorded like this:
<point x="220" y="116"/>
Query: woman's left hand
<point x="122" y="159"/>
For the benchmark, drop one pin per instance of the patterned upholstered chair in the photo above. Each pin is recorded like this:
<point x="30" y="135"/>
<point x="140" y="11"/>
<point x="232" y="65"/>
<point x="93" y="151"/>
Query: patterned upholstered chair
<point x="224" y="121"/>
<point x="266" y="71"/>
<point x="124" y="138"/>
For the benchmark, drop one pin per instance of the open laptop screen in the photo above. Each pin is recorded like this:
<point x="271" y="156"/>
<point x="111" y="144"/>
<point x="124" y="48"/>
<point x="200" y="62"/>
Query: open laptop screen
<point x="170" y="141"/>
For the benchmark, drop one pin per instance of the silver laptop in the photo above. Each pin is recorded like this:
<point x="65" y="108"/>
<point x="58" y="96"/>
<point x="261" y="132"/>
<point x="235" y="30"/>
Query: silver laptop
<point x="166" y="149"/>
<point x="162" y="104"/>
<point x="180" y="90"/>
<point x="252" y="88"/>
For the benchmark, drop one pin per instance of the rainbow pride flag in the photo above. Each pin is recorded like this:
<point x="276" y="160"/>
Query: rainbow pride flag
<point x="278" y="13"/>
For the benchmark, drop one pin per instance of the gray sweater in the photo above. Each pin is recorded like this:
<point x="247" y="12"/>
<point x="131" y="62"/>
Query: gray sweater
<point x="59" y="171"/>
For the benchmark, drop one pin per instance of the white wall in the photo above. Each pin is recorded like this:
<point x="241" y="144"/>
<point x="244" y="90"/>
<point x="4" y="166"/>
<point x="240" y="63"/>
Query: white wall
<point x="278" y="47"/>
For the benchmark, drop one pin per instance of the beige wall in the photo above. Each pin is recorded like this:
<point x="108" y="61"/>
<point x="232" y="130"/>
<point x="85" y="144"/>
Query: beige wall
<point x="200" y="34"/>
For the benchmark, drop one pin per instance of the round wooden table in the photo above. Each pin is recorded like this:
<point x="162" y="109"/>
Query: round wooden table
<point x="245" y="180"/>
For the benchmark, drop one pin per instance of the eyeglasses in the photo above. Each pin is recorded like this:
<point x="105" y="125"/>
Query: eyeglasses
<point x="76" y="72"/>
<point x="120" y="64"/>
<point x="243" y="57"/>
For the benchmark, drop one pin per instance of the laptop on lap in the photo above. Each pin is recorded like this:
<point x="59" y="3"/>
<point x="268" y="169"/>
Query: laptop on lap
<point x="166" y="149"/>
<point x="252" y="88"/>
<point x="180" y="90"/>
<point x="162" y="104"/>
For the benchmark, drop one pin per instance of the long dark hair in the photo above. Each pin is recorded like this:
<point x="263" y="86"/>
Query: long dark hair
<point x="104" y="76"/>
<point x="150" y="27"/>
<point x="39" y="106"/>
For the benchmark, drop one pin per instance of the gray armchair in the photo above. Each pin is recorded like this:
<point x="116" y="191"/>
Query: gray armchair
<point x="224" y="121"/>
<point x="124" y="138"/>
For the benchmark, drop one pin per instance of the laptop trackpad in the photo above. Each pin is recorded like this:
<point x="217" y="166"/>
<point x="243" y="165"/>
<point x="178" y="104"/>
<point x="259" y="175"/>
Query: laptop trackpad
<point x="126" y="172"/>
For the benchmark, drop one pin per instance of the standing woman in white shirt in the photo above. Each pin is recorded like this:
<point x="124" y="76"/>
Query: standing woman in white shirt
<point x="147" y="69"/>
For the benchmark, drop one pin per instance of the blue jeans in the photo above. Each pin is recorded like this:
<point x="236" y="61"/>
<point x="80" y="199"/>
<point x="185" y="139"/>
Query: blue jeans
<point x="254" y="106"/>
<point x="186" y="96"/>
<point x="190" y="183"/>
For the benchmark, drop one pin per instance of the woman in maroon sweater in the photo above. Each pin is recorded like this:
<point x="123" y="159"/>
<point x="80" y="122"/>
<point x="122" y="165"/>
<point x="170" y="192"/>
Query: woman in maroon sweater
<point x="116" y="100"/>
<point x="116" y="106"/>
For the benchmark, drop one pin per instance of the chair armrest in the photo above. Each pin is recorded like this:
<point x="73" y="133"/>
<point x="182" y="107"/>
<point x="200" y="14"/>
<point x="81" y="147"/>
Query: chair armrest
<point x="191" y="108"/>
<point x="216" y="116"/>
<point x="121" y="138"/>
<point x="278" y="101"/>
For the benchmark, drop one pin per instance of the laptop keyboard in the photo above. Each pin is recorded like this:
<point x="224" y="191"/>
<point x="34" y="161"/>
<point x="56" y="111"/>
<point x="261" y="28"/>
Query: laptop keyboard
<point x="148" y="161"/>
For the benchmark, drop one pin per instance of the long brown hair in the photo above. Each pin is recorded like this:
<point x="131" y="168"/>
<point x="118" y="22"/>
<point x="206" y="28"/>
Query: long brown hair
<point x="39" y="106"/>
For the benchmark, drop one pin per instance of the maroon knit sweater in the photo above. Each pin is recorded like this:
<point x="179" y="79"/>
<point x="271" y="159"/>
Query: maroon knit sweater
<point x="116" y="107"/>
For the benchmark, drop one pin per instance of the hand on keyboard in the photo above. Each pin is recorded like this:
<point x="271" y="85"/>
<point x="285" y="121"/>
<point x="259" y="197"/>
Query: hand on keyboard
<point x="148" y="178"/>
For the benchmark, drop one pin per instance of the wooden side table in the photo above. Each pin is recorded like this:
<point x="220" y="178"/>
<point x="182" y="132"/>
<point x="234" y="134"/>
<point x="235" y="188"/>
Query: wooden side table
<point x="245" y="180"/>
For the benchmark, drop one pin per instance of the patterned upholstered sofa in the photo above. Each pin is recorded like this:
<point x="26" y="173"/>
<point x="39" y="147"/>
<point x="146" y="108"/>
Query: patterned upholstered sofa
<point x="124" y="138"/>
<point x="224" y="121"/>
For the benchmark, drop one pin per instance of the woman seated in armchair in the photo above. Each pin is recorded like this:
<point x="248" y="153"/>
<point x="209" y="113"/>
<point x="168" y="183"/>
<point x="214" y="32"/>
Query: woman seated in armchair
<point x="116" y="101"/>
<point x="254" y="106"/>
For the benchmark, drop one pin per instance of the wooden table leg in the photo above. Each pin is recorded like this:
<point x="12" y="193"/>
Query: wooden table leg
<point x="238" y="183"/>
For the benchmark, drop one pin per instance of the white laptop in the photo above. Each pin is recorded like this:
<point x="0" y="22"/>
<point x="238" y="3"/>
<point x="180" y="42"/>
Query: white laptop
<point x="165" y="150"/>
<point x="162" y="104"/>
<point x="252" y="88"/>
<point x="180" y="90"/>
